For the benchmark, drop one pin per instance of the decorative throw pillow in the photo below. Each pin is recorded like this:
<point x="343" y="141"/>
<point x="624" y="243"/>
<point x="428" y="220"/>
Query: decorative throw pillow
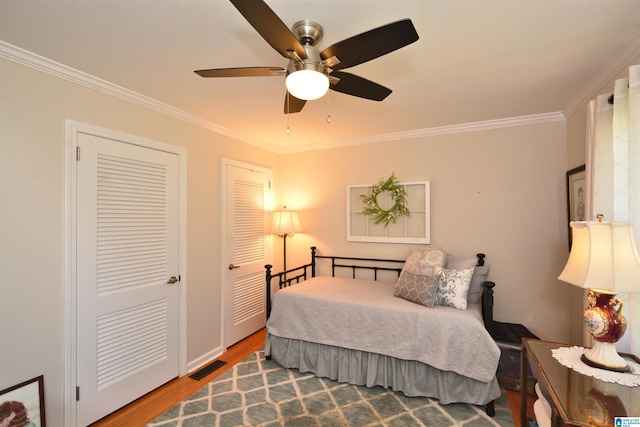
<point x="417" y="288"/>
<point x="453" y="287"/>
<point x="480" y="275"/>
<point x="423" y="261"/>
<point x="459" y="263"/>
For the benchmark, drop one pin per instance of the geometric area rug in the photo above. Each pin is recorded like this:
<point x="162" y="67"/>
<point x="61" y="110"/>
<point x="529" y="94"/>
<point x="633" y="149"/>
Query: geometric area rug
<point x="259" y="392"/>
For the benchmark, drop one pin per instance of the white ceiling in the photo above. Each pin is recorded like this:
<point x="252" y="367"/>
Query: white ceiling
<point x="475" y="61"/>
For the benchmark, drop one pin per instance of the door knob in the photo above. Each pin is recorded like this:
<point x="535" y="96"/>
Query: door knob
<point x="172" y="280"/>
<point x="231" y="266"/>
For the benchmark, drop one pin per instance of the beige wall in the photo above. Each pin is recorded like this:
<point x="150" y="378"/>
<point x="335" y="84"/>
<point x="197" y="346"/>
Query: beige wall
<point x="32" y="206"/>
<point x="500" y="192"/>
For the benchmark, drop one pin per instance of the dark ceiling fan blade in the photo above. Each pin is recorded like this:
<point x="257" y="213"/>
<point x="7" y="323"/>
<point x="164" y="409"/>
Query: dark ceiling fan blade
<point x="241" y="72"/>
<point x="372" y="44"/>
<point x="358" y="86"/>
<point x="293" y="104"/>
<point x="270" y="26"/>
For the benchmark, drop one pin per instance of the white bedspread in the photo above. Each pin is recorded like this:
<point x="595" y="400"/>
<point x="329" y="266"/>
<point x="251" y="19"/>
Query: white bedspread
<point x="364" y="315"/>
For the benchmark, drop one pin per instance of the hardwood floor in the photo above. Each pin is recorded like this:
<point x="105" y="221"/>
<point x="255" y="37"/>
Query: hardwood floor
<point x="514" y="403"/>
<point x="154" y="404"/>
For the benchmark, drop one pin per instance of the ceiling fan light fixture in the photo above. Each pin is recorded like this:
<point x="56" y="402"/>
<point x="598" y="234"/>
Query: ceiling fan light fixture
<point x="307" y="81"/>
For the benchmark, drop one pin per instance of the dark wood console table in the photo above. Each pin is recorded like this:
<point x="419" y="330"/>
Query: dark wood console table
<point x="575" y="399"/>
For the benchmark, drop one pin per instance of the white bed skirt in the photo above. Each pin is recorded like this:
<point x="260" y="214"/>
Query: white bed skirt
<point x="371" y="369"/>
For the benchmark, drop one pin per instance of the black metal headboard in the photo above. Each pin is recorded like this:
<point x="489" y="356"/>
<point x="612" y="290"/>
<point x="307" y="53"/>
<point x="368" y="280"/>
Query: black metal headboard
<point x="302" y="272"/>
<point x="338" y="262"/>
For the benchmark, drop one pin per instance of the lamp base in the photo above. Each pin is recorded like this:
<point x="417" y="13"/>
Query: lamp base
<point x="603" y="355"/>
<point x="607" y="325"/>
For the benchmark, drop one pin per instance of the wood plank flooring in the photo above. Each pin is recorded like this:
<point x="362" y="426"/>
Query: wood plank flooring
<point x="154" y="404"/>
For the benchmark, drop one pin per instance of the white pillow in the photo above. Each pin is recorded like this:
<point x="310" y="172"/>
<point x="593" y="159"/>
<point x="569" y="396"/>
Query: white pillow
<point x="453" y="287"/>
<point x="423" y="261"/>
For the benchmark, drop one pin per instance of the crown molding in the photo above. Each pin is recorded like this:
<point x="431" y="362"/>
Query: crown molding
<point x="596" y="86"/>
<point x="440" y="130"/>
<point x="32" y="60"/>
<point x="40" y="63"/>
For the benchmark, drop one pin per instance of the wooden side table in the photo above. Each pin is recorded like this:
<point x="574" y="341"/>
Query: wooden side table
<point x="575" y="399"/>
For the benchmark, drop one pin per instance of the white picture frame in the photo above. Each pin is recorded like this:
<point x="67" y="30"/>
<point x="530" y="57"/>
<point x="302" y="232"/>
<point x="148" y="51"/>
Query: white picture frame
<point x="412" y="229"/>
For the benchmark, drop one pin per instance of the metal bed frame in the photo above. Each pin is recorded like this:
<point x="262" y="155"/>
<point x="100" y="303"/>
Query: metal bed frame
<point x="303" y="272"/>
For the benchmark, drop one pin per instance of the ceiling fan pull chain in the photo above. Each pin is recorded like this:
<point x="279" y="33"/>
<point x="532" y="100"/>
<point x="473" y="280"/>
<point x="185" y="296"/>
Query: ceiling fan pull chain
<point x="328" y="109"/>
<point x="288" y="114"/>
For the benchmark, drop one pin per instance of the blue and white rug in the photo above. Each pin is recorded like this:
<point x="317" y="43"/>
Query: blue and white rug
<point x="259" y="392"/>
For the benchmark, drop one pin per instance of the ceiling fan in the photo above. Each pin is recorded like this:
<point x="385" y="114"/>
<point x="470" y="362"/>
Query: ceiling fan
<point x="310" y="71"/>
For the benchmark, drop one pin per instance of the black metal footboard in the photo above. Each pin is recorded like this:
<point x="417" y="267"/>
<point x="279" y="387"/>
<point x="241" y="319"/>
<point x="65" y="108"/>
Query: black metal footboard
<point x="286" y="278"/>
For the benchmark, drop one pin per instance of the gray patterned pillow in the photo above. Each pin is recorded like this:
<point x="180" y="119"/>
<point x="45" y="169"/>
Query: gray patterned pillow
<point x="453" y="287"/>
<point x="417" y="288"/>
<point x="423" y="260"/>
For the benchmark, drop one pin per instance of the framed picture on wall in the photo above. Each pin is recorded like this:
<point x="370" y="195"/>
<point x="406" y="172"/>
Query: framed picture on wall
<point x="576" y="196"/>
<point x="23" y="404"/>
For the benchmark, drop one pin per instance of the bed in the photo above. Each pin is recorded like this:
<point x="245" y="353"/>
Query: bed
<point x="356" y="330"/>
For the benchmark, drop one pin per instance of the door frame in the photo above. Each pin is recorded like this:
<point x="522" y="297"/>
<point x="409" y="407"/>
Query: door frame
<point x="72" y="129"/>
<point x="225" y="162"/>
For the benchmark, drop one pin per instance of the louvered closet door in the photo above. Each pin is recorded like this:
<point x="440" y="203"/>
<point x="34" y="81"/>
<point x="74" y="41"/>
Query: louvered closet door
<point x="246" y="252"/>
<point x="127" y="313"/>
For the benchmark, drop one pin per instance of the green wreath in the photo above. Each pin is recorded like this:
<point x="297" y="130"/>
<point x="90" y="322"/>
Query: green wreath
<point x="398" y="195"/>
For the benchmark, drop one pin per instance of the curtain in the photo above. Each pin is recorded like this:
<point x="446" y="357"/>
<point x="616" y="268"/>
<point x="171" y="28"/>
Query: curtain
<point x="613" y="166"/>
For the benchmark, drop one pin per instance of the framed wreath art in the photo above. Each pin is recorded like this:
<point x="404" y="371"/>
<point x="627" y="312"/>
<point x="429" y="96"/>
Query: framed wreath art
<point x="398" y="196"/>
<point x="389" y="211"/>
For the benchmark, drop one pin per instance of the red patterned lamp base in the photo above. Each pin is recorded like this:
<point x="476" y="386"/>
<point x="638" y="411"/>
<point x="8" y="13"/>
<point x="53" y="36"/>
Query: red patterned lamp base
<point x="607" y="325"/>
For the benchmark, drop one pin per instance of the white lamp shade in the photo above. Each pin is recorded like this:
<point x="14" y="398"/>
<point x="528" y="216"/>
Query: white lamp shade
<point x="307" y="84"/>
<point x="285" y="222"/>
<point x="603" y="257"/>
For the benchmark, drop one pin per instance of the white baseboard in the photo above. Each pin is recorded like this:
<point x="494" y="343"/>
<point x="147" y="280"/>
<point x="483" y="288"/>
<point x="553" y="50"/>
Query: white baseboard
<point x="204" y="359"/>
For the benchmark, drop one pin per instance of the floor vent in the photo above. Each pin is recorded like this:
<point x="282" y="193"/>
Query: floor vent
<point x="200" y="374"/>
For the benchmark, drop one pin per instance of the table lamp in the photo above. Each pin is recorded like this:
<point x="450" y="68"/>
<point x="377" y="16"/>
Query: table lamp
<point x="604" y="260"/>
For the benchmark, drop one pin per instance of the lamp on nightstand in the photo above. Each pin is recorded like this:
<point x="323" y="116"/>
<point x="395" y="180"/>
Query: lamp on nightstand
<point x="285" y="224"/>
<point x="604" y="260"/>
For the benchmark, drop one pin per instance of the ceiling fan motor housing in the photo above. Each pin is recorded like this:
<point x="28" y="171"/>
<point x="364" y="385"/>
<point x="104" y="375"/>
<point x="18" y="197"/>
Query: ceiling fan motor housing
<point x="311" y="62"/>
<point x="307" y="32"/>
